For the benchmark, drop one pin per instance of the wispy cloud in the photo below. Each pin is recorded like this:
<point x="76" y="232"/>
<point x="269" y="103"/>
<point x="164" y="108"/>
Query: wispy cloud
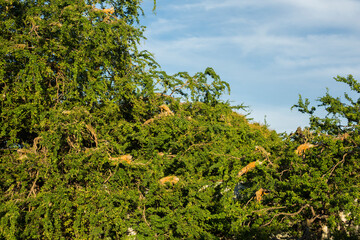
<point x="269" y="51"/>
<point x="301" y="11"/>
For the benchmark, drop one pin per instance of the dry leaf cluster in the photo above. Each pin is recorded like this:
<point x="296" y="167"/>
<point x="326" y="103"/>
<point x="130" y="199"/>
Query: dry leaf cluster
<point x="169" y="179"/>
<point x="165" y="111"/>
<point x="122" y="159"/>
<point x="303" y="147"/>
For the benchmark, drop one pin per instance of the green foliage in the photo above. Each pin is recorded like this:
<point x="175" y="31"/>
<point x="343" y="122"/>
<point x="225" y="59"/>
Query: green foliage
<point x="336" y="110"/>
<point x="97" y="142"/>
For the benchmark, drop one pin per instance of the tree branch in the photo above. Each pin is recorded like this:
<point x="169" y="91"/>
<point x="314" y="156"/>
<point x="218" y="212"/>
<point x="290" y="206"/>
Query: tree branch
<point x="333" y="168"/>
<point x="286" y="214"/>
<point x="32" y="189"/>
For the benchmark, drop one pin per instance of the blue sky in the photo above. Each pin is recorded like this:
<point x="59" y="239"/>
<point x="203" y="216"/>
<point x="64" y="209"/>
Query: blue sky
<point x="269" y="51"/>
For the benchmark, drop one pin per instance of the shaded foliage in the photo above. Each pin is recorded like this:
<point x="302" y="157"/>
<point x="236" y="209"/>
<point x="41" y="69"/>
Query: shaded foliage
<point x="97" y="142"/>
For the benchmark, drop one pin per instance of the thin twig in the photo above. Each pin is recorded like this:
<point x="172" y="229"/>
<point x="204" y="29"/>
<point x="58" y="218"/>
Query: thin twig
<point x="282" y="172"/>
<point x="179" y="87"/>
<point x="196" y="145"/>
<point x="285" y="214"/>
<point x="227" y="155"/>
<point x="93" y="132"/>
<point x="333" y="168"/>
<point x="144" y="216"/>
<point x="268" y="209"/>
<point x="141" y="197"/>
<point x="108" y="177"/>
<point x="249" y="201"/>
<point x="32" y="190"/>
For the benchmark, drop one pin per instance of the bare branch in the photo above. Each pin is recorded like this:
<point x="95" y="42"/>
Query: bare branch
<point x="32" y="189"/>
<point x="268" y="209"/>
<point x="107" y="179"/>
<point x="333" y="168"/>
<point x="286" y="214"/>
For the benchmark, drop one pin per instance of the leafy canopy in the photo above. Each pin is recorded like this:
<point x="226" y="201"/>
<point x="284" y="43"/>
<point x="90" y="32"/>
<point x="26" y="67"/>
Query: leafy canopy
<point x="96" y="141"/>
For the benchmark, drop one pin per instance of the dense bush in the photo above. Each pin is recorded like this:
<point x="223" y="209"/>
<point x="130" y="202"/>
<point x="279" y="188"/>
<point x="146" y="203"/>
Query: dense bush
<point x="97" y="142"/>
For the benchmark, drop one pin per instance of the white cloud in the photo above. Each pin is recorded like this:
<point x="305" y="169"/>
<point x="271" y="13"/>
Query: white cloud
<point x="269" y="51"/>
<point x="164" y="26"/>
<point x="287" y="52"/>
<point x="305" y="13"/>
<point x="209" y="5"/>
<point x="325" y="9"/>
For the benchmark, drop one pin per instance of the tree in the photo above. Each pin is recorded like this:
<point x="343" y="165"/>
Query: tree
<point x="313" y="182"/>
<point x="97" y="142"/>
<point x="76" y="154"/>
<point x="63" y="54"/>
